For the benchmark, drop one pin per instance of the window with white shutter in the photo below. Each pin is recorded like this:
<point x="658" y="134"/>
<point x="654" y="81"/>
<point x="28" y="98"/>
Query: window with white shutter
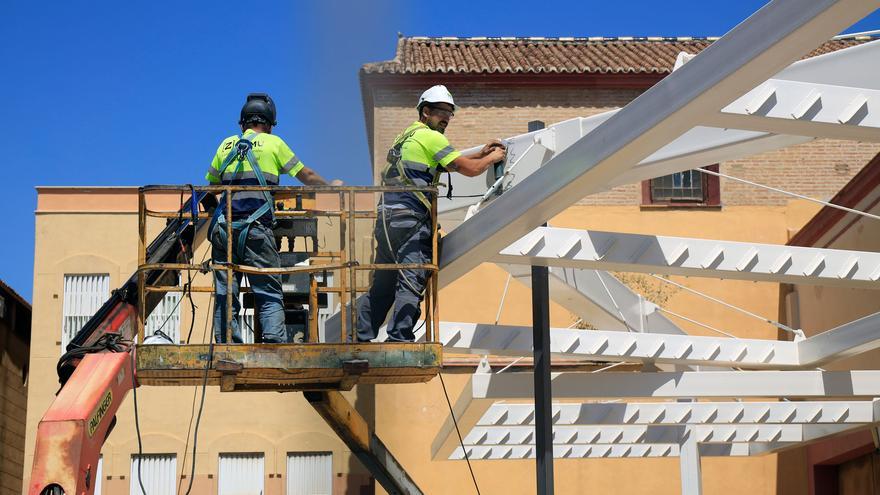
<point x="309" y="473"/>
<point x="84" y="294"/>
<point x="158" y="474"/>
<point x="99" y="475"/>
<point x="165" y="317"/>
<point x="240" y="474"/>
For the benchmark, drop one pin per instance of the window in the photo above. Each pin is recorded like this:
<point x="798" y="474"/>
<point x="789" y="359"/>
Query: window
<point x="158" y="474"/>
<point x="688" y="188"/>
<point x="309" y="473"/>
<point x="332" y="306"/>
<point x="165" y="317"/>
<point x="99" y="475"/>
<point x="240" y="474"/>
<point x="83" y="296"/>
<point x="245" y="316"/>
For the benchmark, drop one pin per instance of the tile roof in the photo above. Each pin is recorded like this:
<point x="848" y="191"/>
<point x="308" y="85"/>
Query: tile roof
<point x="596" y="55"/>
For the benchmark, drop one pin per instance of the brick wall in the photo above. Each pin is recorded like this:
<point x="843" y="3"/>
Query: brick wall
<point x="818" y="169"/>
<point x="14" y="354"/>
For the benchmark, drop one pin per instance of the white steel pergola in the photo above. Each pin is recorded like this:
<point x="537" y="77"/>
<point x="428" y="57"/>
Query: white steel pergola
<point x="745" y="94"/>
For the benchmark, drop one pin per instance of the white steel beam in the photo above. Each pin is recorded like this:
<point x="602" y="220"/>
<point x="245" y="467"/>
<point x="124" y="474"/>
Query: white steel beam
<point x="613" y="346"/>
<point x="844" y="341"/>
<point x="584" y="249"/>
<point x="649" y="434"/>
<point x="748" y="55"/>
<point x="847" y="340"/>
<point x="620" y="451"/>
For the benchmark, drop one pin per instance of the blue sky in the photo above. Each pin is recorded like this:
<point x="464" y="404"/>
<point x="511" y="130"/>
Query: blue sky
<point x="131" y="93"/>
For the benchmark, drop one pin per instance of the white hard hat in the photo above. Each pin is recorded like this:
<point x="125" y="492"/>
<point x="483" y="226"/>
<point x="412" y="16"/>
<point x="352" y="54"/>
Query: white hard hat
<point x="436" y="94"/>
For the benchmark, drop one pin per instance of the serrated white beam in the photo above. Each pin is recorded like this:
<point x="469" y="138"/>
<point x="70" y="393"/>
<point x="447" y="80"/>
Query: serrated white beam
<point x="584" y="249"/>
<point x="708" y="384"/>
<point x="847" y="340"/>
<point x="671" y="413"/>
<point x="835" y="95"/>
<point x="807" y="109"/>
<point x="614" y="346"/>
<point x="752" y="52"/>
<point x="635" y="451"/>
<point x="648" y="434"/>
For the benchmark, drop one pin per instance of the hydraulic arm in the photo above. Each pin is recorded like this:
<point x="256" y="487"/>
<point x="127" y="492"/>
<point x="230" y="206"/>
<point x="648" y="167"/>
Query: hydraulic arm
<point x="98" y="370"/>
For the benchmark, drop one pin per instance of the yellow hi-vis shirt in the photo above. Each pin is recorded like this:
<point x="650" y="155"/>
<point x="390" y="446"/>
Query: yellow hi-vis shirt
<point x="274" y="158"/>
<point x="423" y="156"/>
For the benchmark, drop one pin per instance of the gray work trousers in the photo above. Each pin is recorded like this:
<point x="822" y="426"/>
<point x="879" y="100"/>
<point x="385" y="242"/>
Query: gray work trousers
<point x="260" y="251"/>
<point x="408" y="240"/>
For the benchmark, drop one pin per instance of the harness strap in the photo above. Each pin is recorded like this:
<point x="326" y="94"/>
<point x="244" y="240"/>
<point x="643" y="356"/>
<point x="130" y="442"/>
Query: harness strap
<point x="243" y="147"/>
<point x="396" y="163"/>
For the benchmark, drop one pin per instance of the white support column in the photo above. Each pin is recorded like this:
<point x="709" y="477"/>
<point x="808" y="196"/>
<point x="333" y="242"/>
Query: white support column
<point x="583" y="249"/>
<point x="689" y="461"/>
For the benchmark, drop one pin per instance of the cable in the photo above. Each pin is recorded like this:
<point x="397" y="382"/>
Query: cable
<point x="695" y="322"/>
<point x="201" y="403"/>
<point x="192" y="407"/>
<point x="619" y="312"/>
<point x="199" y="417"/>
<point x="731" y="306"/>
<point x="137" y="427"/>
<point x="503" y="296"/>
<point x="796" y="195"/>
<point x="460" y="441"/>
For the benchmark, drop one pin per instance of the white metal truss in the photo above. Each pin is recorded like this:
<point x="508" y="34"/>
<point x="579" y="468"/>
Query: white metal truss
<point x="597" y="345"/>
<point x="610" y="153"/>
<point x="751" y="422"/>
<point x="479" y="402"/>
<point x="571" y="248"/>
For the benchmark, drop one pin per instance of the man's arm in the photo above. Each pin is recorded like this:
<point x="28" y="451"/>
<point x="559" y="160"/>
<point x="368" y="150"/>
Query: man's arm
<point x="474" y="165"/>
<point x="311" y="178"/>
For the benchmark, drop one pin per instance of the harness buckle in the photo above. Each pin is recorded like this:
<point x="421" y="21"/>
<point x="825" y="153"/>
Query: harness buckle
<point x="242" y="147"/>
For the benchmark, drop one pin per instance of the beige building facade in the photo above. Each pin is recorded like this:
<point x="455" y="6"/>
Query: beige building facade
<point x="93" y="232"/>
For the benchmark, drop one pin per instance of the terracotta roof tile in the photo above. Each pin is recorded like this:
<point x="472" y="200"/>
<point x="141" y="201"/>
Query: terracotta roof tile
<point x="420" y="55"/>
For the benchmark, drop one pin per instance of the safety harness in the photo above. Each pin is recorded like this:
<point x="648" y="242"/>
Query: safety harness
<point x="395" y="170"/>
<point x="243" y="150"/>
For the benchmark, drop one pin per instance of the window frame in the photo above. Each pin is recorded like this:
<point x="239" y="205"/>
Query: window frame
<point x="711" y="186"/>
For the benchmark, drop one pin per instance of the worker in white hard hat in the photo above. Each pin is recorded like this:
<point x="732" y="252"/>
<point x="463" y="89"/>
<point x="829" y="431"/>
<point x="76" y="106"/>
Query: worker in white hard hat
<point x="403" y="226"/>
